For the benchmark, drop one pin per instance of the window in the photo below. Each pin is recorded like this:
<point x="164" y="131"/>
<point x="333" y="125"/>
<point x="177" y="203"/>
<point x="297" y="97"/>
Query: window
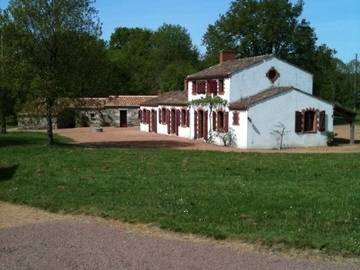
<point x="272" y="74"/>
<point x="235" y="118"/>
<point x="201" y="87"/>
<point x="92" y="116"/>
<point x="194" y="90"/>
<point x="309" y="121"/>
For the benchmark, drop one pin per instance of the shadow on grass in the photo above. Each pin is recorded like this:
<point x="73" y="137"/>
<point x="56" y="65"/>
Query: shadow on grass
<point x="339" y="141"/>
<point x="137" y="144"/>
<point x="7" y="173"/>
<point x="19" y="141"/>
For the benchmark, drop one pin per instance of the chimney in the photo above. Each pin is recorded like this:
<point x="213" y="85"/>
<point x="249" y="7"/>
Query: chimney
<point x="226" y="55"/>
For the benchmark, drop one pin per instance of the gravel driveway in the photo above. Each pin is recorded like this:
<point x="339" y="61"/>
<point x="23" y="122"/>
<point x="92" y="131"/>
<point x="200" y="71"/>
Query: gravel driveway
<point x="73" y="243"/>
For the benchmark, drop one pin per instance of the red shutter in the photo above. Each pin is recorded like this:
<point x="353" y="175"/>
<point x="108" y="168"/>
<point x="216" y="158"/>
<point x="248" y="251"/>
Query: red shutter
<point x="298" y="122"/>
<point x="168" y="120"/>
<point x="188" y="118"/>
<point x="221" y="87"/>
<point x="148" y="117"/>
<point x="322" y="121"/>
<point x="206" y="132"/>
<point x="195" y="125"/>
<point x="226" y="121"/>
<point x="235" y="118"/>
<point x="214" y="121"/>
<point x="194" y="88"/>
<point x="159" y="115"/>
<point x="201" y="87"/>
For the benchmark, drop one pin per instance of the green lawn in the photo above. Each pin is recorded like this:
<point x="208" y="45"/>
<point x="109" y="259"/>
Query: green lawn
<point x="292" y="200"/>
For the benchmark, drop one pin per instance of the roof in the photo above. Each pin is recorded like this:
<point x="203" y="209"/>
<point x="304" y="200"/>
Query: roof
<point x="168" y="98"/>
<point x="228" y="67"/>
<point x="112" y="101"/>
<point x="245" y="103"/>
<point x="127" y="101"/>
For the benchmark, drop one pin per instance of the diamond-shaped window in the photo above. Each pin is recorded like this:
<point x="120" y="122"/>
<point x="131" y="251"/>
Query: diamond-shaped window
<point x="273" y="74"/>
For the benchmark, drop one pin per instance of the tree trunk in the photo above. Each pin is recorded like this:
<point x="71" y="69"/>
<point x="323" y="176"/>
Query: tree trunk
<point x="49" y="125"/>
<point x="2" y="122"/>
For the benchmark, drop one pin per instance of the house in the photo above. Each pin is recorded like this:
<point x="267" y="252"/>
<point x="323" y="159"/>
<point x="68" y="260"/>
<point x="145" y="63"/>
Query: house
<point x="268" y="102"/>
<point x="116" y="111"/>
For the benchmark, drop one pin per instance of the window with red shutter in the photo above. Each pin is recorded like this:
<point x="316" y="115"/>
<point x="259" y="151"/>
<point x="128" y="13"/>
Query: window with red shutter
<point x="235" y="118"/>
<point x="226" y="121"/>
<point x="163" y="116"/>
<point x="201" y="87"/>
<point x="220" y="121"/>
<point x="159" y="115"/>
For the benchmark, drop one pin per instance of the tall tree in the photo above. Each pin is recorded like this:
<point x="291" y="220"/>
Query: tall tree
<point x="254" y="27"/>
<point x="57" y="35"/>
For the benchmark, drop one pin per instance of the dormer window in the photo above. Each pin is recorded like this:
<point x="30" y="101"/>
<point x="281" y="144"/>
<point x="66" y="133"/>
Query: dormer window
<point x="273" y="74"/>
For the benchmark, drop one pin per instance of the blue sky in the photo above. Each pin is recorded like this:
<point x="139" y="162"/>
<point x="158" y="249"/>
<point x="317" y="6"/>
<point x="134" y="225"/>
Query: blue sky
<point x="337" y="23"/>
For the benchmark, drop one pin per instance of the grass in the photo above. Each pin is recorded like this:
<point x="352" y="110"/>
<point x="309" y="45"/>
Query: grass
<point x="292" y="200"/>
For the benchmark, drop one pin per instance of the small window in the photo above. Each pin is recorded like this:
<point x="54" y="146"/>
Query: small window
<point x="272" y="74"/>
<point x="309" y="121"/>
<point x="92" y="116"/>
<point x="235" y="118"/>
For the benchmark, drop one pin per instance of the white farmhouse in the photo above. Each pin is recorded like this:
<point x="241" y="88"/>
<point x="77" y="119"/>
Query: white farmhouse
<point x="265" y="96"/>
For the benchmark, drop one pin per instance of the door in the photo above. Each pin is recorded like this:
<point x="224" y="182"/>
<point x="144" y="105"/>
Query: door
<point x="123" y="119"/>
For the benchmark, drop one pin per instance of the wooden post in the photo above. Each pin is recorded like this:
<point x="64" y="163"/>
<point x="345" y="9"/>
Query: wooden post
<point x="352" y="132"/>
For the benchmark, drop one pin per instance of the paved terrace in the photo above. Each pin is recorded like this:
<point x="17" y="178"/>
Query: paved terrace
<point x="133" y="138"/>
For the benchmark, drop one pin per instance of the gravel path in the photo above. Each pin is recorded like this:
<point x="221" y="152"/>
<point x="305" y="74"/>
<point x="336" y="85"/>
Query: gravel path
<point x="34" y="239"/>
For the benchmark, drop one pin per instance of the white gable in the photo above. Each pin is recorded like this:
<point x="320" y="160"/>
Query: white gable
<point x="253" y="80"/>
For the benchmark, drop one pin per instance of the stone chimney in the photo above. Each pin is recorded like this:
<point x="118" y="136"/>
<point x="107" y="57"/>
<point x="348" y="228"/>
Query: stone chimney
<point x="226" y="55"/>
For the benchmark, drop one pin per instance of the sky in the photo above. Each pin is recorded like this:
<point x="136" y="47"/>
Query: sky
<point x="337" y="23"/>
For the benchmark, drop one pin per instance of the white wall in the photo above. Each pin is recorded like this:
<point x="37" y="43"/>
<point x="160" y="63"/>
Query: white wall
<point x="253" y="80"/>
<point x="281" y="109"/>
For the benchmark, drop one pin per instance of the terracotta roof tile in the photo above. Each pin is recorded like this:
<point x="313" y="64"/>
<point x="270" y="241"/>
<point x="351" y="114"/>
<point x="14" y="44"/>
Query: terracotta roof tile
<point x="245" y="103"/>
<point x="169" y="98"/>
<point x="229" y="67"/>
<point x="127" y="101"/>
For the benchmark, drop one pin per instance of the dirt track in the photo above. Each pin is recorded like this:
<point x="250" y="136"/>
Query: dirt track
<point x="34" y="239"/>
<point x="133" y="138"/>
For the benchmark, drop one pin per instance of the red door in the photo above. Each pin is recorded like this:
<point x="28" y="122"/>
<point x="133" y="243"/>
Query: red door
<point x="154" y="121"/>
<point x="173" y="122"/>
<point x="195" y="125"/>
<point x="205" y="131"/>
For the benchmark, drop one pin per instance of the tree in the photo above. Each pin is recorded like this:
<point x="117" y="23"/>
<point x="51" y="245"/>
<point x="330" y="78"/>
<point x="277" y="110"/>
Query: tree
<point x="7" y="69"/>
<point x="59" y="39"/>
<point x="146" y="61"/>
<point x="253" y="27"/>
